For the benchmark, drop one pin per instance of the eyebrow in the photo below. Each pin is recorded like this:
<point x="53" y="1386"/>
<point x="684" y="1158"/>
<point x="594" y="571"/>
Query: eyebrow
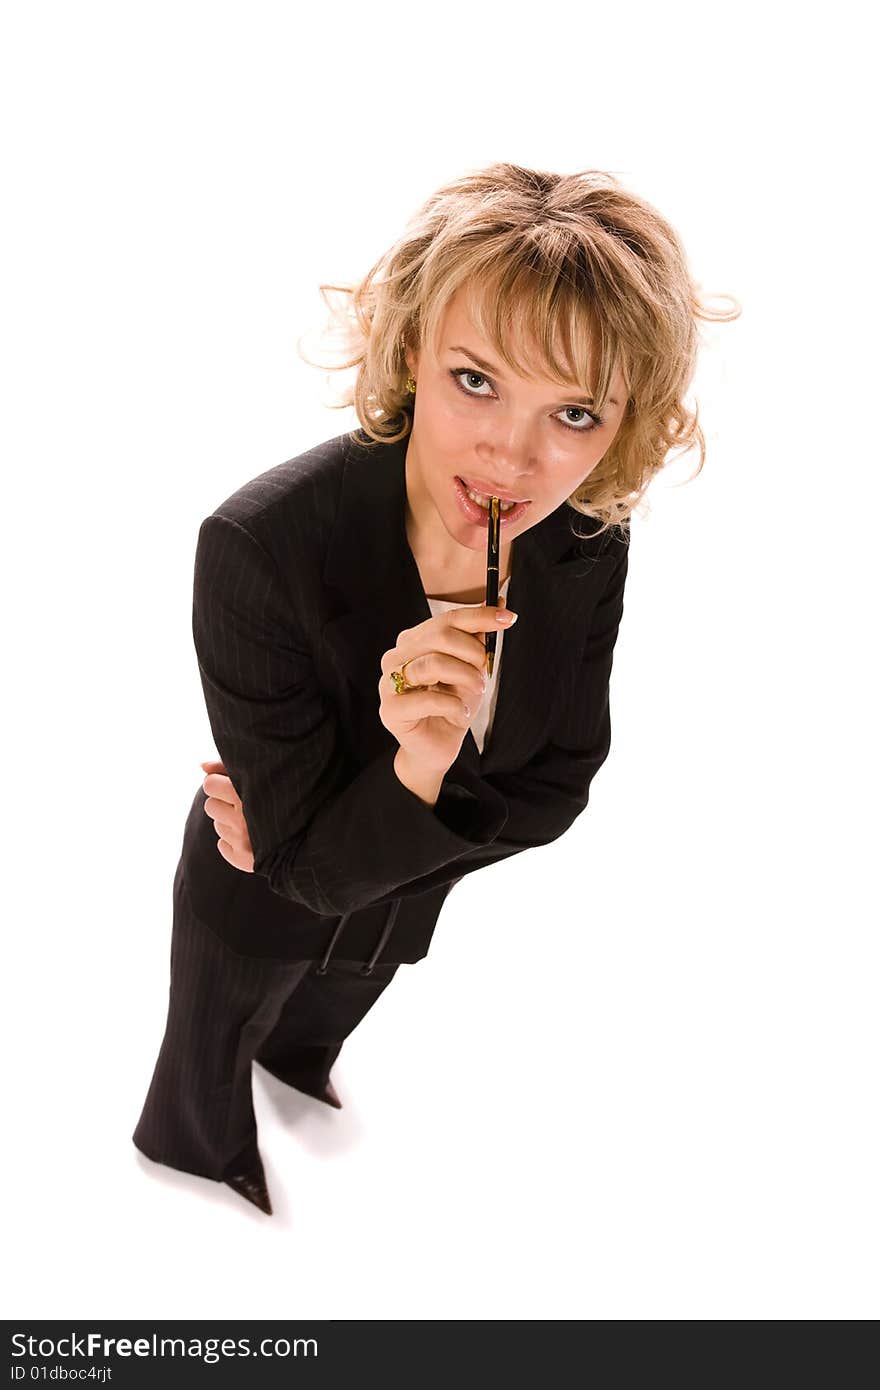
<point x="494" y="371"/>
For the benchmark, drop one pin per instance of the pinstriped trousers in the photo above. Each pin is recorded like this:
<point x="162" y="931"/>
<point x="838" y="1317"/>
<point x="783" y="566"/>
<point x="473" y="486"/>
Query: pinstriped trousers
<point x="226" y="1011"/>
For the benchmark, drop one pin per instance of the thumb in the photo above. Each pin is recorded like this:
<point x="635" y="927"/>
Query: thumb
<point x="212" y="767"/>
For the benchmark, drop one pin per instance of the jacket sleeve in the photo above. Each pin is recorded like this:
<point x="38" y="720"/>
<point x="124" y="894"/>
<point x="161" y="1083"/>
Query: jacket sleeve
<point x="547" y="796"/>
<point x="323" y="834"/>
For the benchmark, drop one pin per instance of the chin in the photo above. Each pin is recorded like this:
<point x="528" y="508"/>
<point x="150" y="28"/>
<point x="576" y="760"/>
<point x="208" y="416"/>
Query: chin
<point x="460" y="530"/>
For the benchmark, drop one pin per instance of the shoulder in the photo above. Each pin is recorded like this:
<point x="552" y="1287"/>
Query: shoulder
<point x="616" y="543"/>
<point x="601" y="550"/>
<point x="296" y="499"/>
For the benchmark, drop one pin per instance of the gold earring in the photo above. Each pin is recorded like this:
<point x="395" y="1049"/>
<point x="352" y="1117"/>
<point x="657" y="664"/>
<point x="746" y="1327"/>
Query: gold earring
<point x="411" y="385"/>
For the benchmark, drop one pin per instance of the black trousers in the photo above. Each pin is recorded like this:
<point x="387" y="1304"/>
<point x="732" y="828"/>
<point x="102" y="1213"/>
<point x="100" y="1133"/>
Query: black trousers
<point x="226" y="1011"/>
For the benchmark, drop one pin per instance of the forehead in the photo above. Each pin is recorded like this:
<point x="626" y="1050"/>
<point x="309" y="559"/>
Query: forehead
<point x="458" y="327"/>
<point x="460" y="319"/>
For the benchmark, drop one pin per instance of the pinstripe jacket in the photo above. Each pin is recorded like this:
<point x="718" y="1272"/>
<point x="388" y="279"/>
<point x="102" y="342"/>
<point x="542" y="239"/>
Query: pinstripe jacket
<point x="303" y="578"/>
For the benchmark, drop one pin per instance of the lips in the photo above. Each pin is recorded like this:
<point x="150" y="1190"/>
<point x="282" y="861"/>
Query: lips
<point x="490" y="490"/>
<point x="478" y="515"/>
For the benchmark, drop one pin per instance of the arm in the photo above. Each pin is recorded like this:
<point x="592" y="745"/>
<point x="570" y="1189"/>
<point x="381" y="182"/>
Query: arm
<point x="547" y="796"/>
<point x="328" y="835"/>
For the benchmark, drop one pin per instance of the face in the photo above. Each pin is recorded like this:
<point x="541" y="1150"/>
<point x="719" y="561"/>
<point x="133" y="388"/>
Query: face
<point x="478" y="427"/>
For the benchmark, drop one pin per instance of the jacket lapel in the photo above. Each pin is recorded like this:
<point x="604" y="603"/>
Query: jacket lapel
<point x="555" y="579"/>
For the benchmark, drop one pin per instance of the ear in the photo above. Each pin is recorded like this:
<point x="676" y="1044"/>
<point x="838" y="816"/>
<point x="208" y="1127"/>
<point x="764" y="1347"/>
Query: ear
<point x="411" y="356"/>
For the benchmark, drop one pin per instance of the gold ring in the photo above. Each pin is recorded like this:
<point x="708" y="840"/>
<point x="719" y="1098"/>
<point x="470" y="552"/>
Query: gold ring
<point x="400" y="682"/>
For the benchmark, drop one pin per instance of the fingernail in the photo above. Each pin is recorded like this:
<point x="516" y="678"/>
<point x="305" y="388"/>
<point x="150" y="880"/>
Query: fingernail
<point x="506" y="617"/>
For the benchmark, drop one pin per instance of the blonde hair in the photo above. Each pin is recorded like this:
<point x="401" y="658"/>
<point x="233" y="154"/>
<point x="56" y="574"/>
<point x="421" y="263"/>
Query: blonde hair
<point x="572" y="270"/>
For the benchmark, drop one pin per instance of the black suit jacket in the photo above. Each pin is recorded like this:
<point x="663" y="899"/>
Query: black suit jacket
<point x="303" y="578"/>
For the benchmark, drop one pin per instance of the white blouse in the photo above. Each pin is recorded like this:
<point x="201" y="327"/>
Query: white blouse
<point x="481" y="724"/>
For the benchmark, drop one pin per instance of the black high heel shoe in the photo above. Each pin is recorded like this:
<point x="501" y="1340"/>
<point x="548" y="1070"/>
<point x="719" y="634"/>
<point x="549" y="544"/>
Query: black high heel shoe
<point x="329" y="1095"/>
<point x="252" y="1186"/>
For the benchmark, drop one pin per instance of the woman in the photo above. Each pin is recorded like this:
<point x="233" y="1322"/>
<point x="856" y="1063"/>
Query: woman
<point x="530" y="336"/>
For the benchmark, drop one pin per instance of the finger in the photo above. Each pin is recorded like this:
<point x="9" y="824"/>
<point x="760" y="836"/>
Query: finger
<point x="437" y="634"/>
<point x="213" y="767"/>
<point x="470" y="697"/>
<point x="237" y="858"/>
<point x="221" y="788"/>
<point x="221" y="811"/>
<point x="439" y="668"/>
<point x="229" y="832"/>
<point x="414" y="705"/>
<point x="483" y="618"/>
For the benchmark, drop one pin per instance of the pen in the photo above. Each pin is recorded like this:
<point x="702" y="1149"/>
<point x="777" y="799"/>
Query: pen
<point x="492" y="573"/>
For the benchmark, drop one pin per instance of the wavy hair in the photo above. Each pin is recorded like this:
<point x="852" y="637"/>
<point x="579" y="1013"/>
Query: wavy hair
<point x="566" y="272"/>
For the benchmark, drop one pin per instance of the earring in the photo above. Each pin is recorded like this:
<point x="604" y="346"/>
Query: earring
<point x="411" y="385"/>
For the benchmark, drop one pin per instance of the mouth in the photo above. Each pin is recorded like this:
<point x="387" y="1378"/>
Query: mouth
<point x="482" y="491"/>
<point x="475" y="504"/>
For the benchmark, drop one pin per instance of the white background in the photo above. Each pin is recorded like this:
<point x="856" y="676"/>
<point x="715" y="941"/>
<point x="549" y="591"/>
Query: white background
<point x="668" y="1109"/>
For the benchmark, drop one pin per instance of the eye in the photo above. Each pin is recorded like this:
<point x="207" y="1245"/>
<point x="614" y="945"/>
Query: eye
<point x="459" y="373"/>
<point x="586" y="425"/>
<point x="590" y="422"/>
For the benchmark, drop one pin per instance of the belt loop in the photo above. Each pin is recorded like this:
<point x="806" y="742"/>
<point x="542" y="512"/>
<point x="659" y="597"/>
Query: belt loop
<point x="322" y="968"/>
<point x="393" y="910"/>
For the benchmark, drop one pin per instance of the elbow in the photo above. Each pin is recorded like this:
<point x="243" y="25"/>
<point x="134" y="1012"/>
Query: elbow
<point x="290" y="877"/>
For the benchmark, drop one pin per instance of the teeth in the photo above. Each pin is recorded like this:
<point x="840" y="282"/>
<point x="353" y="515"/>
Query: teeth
<point x="484" y="501"/>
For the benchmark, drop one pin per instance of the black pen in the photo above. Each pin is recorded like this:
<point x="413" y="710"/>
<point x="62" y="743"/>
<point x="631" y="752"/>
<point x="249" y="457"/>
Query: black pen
<point x="492" y="573"/>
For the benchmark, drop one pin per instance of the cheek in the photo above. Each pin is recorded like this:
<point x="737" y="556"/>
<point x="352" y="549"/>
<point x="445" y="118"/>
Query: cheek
<point x="570" y="458"/>
<point x="448" y="427"/>
<point x="567" y="469"/>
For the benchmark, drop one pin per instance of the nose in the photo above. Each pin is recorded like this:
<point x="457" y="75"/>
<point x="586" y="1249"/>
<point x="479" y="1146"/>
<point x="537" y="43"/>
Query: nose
<point x="508" y="458"/>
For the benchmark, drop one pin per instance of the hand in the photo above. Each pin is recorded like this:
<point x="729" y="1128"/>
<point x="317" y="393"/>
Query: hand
<point x="446" y="661"/>
<point x="227" y="812"/>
